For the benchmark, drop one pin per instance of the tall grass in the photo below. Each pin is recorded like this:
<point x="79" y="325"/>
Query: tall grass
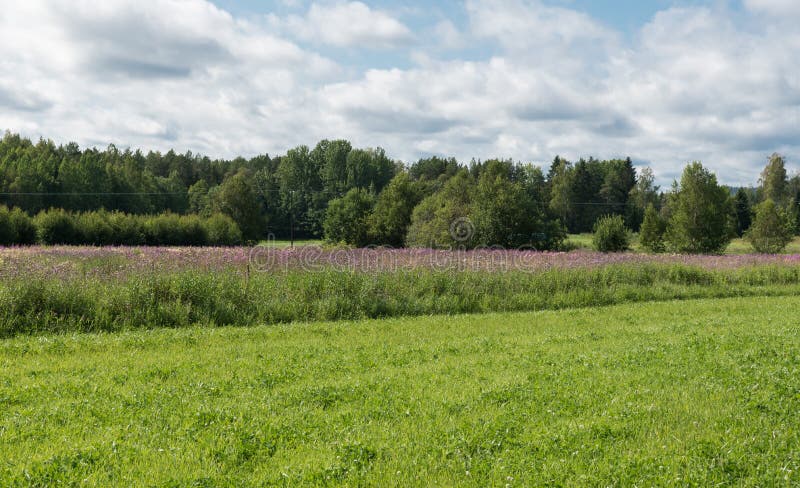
<point x="36" y="304"/>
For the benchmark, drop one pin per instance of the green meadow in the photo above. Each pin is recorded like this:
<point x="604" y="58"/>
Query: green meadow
<point x="699" y="392"/>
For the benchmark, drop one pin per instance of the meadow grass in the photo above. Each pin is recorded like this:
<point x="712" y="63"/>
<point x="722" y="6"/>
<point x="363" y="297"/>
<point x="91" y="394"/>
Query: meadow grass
<point x="737" y="246"/>
<point x="284" y="243"/>
<point x="701" y="393"/>
<point x="69" y="303"/>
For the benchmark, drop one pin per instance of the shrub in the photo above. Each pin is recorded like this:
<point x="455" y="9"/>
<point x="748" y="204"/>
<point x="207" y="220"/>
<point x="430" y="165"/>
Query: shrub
<point x="610" y="234"/>
<point x="8" y="234"/>
<point x="127" y="229"/>
<point x="221" y="230"/>
<point x="104" y="228"/>
<point x="93" y="228"/>
<point x="771" y="230"/>
<point x="651" y="234"/>
<point x="56" y="226"/>
<point x="163" y="230"/>
<point x="23" y="226"/>
<point x="193" y="232"/>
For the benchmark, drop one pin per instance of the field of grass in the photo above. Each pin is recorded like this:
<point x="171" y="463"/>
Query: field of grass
<point x="736" y="247"/>
<point x="697" y="393"/>
<point x="82" y="301"/>
<point x="284" y="243"/>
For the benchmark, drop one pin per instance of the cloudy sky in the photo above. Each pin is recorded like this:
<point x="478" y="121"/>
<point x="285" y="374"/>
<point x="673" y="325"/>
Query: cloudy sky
<point x="662" y="81"/>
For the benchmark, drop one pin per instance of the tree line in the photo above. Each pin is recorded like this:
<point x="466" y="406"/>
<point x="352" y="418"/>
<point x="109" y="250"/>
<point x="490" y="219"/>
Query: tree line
<point x="361" y="196"/>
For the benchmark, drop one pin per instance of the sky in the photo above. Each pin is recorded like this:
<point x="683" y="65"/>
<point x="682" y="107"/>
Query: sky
<point x="664" y="82"/>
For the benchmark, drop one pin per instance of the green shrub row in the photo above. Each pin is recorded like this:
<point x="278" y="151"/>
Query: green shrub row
<point x="102" y="228"/>
<point x="153" y="299"/>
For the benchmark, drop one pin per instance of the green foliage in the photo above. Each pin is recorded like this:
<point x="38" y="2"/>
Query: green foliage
<point x="8" y="232"/>
<point x="744" y="212"/>
<point x="507" y="213"/>
<point x="643" y="194"/>
<point x="102" y="228"/>
<point x="651" y="234"/>
<point x="347" y="219"/>
<point x="433" y="220"/>
<point x="238" y="199"/>
<point x="610" y="234"/>
<point x="56" y="226"/>
<point x="774" y="184"/>
<point x="701" y="214"/>
<point x="561" y="191"/>
<point x="199" y="200"/>
<point x="221" y="230"/>
<point x="389" y="222"/>
<point x="289" y="194"/>
<point x="433" y="168"/>
<point x="369" y="169"/>
<point x="16" y="227"/>
<point x="772" y="228"/>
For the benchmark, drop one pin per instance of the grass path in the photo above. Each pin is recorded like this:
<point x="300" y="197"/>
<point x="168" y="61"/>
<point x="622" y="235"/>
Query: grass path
<point x="694" y="392"/>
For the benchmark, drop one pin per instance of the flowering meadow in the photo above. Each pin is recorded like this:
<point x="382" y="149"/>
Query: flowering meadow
<point x="119" y="262"/>
<point x="62" y="289"/>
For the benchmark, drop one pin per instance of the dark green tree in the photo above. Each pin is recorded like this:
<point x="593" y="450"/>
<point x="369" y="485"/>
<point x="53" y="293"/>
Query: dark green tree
<point x="442" y="220"/>
<point x="651" y="233"/>
<point x="389" y="222"/>
<point x="505" y="213"/>
<point x="346" y="219"/>
<point x="702" y="214"/>
<point x="744" y="211"/>
<point x="772" y="228"/>
<point x="237" y="198"/>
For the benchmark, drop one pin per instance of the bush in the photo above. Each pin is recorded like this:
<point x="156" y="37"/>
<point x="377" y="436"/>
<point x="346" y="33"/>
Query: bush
<point x="93" y="228"/>
<point x="23" y="226"/>
<point x="56" y="226"/>
<point x="127" y="229"/>
<point x="103" y="228"/>
<point x="8" y="234"/>
<point x="163" y="230"/>
<point x="651" y="234"/>
<point x="610" y="235"/>
<point x="193" y="231"/>
<point x="16" y="227"/>
<point x="771" y="230"/>
<point x="221" y="230"/>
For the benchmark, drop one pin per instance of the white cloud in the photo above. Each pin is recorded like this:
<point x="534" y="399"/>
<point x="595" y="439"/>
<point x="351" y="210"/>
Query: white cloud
<point x="693" y="83"/>
<point x="156" y="73"/>
<point x="346" y="24"/>
<point x="448" y="35"/>
<point x="774" y="7"/>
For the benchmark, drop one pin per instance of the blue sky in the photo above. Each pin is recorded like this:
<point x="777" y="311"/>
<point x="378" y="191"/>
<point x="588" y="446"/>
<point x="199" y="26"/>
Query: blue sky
<point x="664" y="81"/>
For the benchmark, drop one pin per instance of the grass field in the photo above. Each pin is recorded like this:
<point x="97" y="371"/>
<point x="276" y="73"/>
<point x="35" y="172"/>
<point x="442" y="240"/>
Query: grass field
<point x="736" y="247"/>
<point x="284" y="243"/>
<point x="677" y="393"/>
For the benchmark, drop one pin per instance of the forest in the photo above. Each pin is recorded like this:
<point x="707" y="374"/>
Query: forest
<point x="62" y="194"/>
